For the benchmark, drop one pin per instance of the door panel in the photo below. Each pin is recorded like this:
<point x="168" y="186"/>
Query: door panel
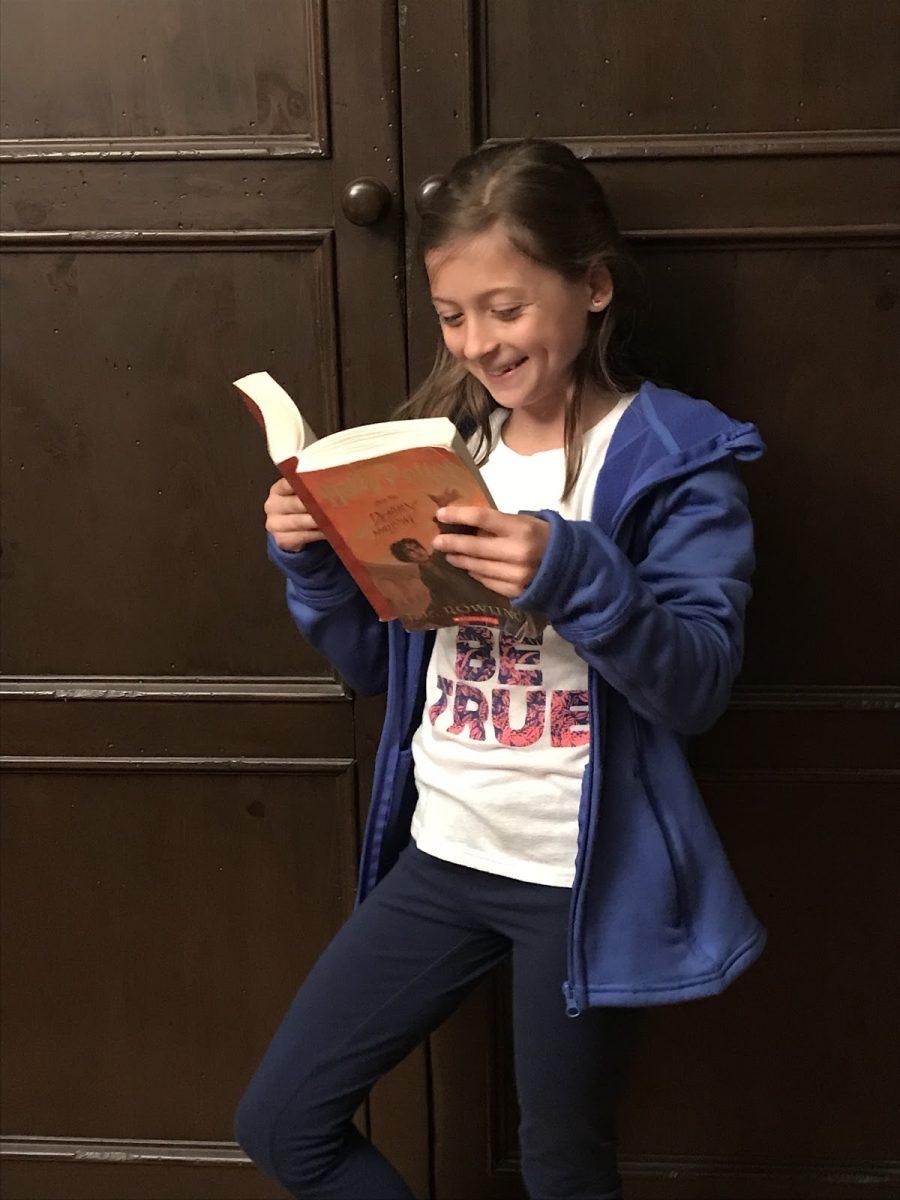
<point x="749" y="153"/>
<point x="172" y="872"/>
<point x="774" y="76"/>
<point x="202" y="74"/>
<point x="128" y="419"/>
<point x="755" y="323"/>
<point x="182" y="808"/>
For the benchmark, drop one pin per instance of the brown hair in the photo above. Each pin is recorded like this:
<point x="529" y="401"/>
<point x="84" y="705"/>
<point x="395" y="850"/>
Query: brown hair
<point x="553" y="211"/>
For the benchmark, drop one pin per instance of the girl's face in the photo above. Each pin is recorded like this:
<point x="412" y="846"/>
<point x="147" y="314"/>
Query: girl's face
<point x="516" y="325"/>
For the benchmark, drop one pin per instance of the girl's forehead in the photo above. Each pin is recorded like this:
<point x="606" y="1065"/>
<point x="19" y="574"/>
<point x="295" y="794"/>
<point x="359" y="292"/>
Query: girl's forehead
<point x="479" y="263"/>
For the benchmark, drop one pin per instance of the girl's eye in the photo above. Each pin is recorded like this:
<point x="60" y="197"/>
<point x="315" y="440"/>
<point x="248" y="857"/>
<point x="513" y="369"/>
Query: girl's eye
<point x="504" y="314"/>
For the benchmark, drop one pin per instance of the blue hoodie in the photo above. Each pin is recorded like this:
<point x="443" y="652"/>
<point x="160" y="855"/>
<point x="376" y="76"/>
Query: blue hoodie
<point x="651" y="592"/>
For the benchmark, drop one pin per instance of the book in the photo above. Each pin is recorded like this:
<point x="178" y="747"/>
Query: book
<point x="374" y="491"/>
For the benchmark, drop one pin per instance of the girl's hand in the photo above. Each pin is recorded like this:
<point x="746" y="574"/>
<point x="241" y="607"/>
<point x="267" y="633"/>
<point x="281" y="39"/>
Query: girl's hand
<point x="287" y="520"/>
<point x="505" y="553"/>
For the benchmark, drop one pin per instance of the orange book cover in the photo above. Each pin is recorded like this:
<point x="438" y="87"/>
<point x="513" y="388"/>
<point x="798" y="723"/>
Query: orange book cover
<point x="378" y="514"/>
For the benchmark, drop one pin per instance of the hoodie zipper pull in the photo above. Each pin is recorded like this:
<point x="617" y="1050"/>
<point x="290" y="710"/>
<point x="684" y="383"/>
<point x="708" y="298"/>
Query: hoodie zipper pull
<point x="573" y="1008"/>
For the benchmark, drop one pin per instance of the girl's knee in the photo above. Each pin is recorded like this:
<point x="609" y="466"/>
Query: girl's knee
<point x="253" y="1129"/>
<point x="297" y="1148"/>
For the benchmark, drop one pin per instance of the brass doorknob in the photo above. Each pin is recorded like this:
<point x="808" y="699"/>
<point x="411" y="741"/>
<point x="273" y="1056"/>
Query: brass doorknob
<point x="426" y="191"/>
<point x="365" y="200"/>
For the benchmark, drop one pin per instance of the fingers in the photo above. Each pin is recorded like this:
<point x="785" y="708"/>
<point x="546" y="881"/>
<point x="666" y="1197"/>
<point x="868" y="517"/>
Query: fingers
<point x="294" y="531"/>
<point x="283" y="498"/>
<point x="500" y="586"/>
<point x="282" y="501"/>
<point x="517" y="539"/>
<point x="488" y="519"/>
<point x="287" y="519"/>
<point x="291" y="523"/>
<point x="506" y="552"/>
<point x="481" y="569"/>
<point x="476" y="548"/>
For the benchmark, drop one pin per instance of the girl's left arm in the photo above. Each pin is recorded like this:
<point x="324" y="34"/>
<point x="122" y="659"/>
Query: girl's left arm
<point x="668" y="633"/>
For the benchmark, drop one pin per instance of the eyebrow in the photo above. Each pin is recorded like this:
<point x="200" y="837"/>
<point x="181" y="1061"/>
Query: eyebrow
<point x="483" y="296"/>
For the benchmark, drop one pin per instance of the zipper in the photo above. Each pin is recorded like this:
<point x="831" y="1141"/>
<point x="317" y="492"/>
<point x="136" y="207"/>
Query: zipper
<point x="573" y="1008"/>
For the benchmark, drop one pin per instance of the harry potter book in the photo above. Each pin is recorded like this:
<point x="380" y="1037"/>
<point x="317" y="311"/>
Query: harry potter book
<point x="374" y="491"/>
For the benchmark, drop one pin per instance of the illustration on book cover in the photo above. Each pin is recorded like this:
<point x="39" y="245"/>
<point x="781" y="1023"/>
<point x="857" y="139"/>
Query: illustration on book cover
<point x="389" y="523"/>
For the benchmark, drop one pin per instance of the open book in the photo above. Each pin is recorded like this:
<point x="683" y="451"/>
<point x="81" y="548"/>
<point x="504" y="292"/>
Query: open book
<point x="374" y="492"/>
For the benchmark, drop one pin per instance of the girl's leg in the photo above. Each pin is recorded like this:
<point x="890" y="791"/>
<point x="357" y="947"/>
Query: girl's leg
<point x="397" y="968"/>
<point x="569" y="1070"/>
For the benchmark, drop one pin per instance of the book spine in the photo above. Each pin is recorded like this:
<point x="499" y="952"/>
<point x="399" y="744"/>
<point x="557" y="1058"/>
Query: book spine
<point x="383" y="609"/>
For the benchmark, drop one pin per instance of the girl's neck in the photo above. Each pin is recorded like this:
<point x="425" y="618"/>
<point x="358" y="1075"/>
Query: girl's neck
<point x="532" y="432"/>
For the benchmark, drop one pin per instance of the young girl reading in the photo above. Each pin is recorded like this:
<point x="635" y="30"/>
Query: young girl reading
<point x="532" y="796"/>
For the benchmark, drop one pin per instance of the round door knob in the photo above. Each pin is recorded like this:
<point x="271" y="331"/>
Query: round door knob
<point x="426" y="191"/>
<point x="365" y="200"/>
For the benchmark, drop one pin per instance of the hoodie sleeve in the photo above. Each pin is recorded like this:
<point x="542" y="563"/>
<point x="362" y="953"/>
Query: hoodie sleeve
<point x="666" y="632"/>
<point x="333" y="615"/>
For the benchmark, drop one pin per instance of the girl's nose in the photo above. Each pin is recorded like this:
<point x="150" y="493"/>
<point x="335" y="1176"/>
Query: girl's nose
<point x="479" y="340"/>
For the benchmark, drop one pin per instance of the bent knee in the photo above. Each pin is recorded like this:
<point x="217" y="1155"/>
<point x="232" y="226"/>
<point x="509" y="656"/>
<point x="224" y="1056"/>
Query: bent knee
<point x="253" y="1128"/>
<point x="296" y="1147"/>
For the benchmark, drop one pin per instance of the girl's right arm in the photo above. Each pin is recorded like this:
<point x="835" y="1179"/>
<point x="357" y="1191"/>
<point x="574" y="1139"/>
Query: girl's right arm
<point x="323" y="598"/>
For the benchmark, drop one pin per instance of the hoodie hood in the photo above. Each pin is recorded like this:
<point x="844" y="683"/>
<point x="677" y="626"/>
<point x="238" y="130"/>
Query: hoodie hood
<point x="647" y="450"/>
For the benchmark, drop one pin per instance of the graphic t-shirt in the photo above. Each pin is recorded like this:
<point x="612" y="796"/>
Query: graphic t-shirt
<point x="504" y="737"/>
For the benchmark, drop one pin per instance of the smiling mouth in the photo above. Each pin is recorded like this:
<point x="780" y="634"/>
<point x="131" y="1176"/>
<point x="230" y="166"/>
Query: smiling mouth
<point x="507" y="370"/>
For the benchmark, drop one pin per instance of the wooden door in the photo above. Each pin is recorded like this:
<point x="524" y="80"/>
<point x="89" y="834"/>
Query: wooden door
<point x="749" y="152"/>
<point x="185" y="780"/>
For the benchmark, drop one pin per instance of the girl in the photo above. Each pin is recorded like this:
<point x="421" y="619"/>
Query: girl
<point x="532" y="795"/>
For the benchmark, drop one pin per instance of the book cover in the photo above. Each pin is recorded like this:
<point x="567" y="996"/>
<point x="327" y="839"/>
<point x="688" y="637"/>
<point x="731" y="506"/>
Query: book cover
<point x="378" y="514"/>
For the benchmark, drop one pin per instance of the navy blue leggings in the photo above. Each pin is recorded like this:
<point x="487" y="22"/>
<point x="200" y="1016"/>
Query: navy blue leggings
<point x="399" y="966"/>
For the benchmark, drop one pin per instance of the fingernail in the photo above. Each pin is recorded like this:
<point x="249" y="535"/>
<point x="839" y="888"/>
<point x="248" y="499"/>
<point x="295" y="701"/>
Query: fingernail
<point x="441" y="513"/>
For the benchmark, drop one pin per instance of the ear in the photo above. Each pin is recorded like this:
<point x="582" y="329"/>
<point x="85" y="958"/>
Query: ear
<point x="600" y="286"/>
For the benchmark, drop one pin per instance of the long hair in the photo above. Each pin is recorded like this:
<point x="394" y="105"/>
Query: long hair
<point x="554" y="211"/>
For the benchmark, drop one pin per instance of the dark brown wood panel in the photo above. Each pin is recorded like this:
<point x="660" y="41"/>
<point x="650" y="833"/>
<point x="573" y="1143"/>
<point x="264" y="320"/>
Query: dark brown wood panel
<point x="753" y="172"/>
<point x="185" y="193"/>
<point x="804" y="730"/>
<point x="749" y="196"/>
<point x="134" y="422"/>
<point x="645" y="70"/>
<point x="172" y="216"/>
<point x="803" y="847"/>
<point x="194" y="901"/>
<point x="800" y="338"/>
<point x="120" y="1174"/>
<point x="184" y="73"/>
<point x="254" y="727"/>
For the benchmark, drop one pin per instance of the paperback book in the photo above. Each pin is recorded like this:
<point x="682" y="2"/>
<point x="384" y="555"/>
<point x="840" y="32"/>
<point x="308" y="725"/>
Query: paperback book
<point x="374" y="491"/>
